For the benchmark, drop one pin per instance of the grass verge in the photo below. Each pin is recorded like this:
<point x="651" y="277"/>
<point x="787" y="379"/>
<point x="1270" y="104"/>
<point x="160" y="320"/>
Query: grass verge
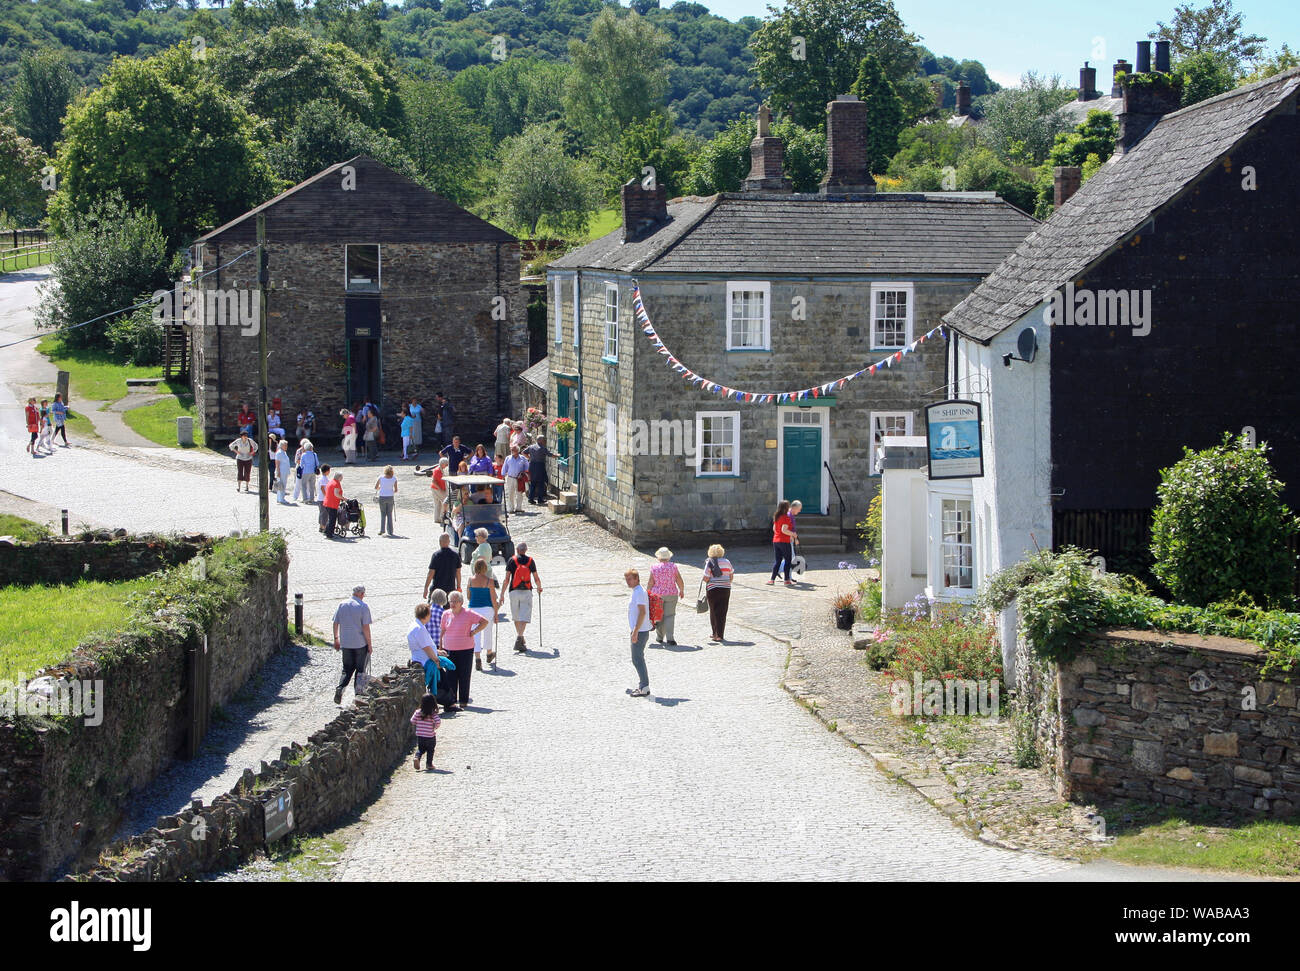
<point x="1157" y="836"/>
<point x="39" y="625"/>
<point x="306" y="859"/>
<point x="95" y="375"/>
<point x="157" y="422"/>
<point x="21" y="529"/>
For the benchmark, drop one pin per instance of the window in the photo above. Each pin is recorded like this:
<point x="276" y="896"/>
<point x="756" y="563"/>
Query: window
<point x="749" y="317"/>
<point x="885" y="424"/>
<point x="956" y="547"/>
<point x="559" y="311"/>
<point x="717" y="443"/>
<point x="611" y="442"/>
<point x="577" y="310"/>
<point x="361" y="270"/>
<point x="891" y="314"/>
<point x="611" y="322"/>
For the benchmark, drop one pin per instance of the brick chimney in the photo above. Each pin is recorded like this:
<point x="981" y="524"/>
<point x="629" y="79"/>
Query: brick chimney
<point x="1087" y="83"/>
<point x="1066" y="180"/>
<point x="1144" y="104"/>
<point x="963" y="98"/>
<point x="846" y="147"/>
<point x="1121" y="67"/>
<point x="643" y="209"/>
<point x="766" y="153"/>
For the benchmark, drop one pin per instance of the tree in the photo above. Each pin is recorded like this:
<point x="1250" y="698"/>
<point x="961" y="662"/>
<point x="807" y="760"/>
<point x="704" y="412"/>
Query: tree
<point x="1095" y="135"/>
<point x="1021" y="124"/>
<point x="164" y="135"/>
<point x="618" y="76"/>
<point x="40" y="95"/>
<point x="22" y="200"/>
<point x="522" y="92"/>
<point x="651" y="143"/>
<point x="811" y="51"/>
<point x="275" y="74"/>
<point x="982" y="171"/>
<point x="884" y="113"/>
<point x="324" y="135"/>
<point x="722" y="164"/>
<point x="1220" y="527"/>
<point x="536" y="181"/>
<point x="1276" y="63"/>
<point x="443" y="139"/>
<point x="1204" y="75"/>
<point x="103" y="261"/>
<point x="1215" y="29"/>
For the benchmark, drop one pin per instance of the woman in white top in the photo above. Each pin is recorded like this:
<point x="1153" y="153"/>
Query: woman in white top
<point x="283" y="466"/>
<point x="386" y="488"/>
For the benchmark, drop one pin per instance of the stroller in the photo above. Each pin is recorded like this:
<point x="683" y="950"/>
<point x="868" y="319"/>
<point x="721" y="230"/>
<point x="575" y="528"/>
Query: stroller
<point x="352" y="518"/>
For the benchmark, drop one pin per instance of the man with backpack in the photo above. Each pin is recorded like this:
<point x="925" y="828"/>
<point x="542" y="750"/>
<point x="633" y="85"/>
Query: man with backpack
<point x="521" y="575"/>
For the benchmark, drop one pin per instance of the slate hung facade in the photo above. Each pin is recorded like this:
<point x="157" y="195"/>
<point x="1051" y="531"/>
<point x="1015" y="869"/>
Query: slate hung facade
<point x="1192" y="224"/>
<point x="379" y="288"/>
<point x="760" y="290"/>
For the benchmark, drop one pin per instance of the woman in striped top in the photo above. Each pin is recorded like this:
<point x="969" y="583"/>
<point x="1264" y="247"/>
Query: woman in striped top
<point x="426" y="722"/>
<point x="717" y="583"/>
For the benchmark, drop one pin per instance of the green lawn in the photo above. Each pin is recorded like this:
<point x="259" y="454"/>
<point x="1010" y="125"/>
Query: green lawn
<point x="22" y="529"/>
<point x="604" y="223"/>
<point x="94" y="375"/>
<point x="40" y="626"/>
<point x="1166" y="837"/>
<point x="24" y="258"/>
<point x="157" y="422"/>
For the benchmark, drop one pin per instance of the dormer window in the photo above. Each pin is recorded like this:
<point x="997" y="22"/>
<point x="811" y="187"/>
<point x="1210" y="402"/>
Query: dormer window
<point x="361" y="267"/>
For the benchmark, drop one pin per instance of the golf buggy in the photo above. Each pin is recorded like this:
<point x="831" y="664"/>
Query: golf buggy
<point x="473" y="504"/>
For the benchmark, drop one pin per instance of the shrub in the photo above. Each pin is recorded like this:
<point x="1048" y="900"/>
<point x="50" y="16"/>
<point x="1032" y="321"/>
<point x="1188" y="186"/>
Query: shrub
<point x="136" y="338"/>
<point x="871" y="601"/>
<point x="870" y="528"/>
<point x="953" y="645"/>
<point x="1220" y="527"/>
<point x="882" y="650"/>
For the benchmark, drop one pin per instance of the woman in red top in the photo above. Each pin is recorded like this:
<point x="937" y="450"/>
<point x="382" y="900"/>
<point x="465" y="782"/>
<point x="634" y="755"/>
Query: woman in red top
<point x="247" y="419"/>
<point x="333" y="496"/>
<point x="33" y="425"/>
<point x="439" y="487"/>
<point x="782" y="542"/>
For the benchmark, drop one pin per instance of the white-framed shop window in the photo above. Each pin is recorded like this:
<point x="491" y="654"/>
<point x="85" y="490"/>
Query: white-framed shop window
<point x="717" y="443"/>
<point x="611" y="322"/>
<point x="749" y="316"/>
<point x="956" y="546"/>
<point x="887" y="424"/>
<point x="891" y="315"/>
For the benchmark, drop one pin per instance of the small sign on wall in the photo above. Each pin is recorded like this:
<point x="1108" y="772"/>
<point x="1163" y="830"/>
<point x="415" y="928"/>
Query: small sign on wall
<point x="277" y="812"/>
<point x="769" y="443"/>
<point x="954" y="440"/>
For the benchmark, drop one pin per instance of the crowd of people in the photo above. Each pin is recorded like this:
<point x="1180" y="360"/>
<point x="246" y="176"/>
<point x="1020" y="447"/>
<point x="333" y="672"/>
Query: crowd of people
<point x="45" y="423"/>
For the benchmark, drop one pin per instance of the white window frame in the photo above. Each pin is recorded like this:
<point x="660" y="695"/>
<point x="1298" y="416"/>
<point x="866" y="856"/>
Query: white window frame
<point x="936" y="588"/>
<point x="559" y="310"/>
<point x="611" y="441"/>
<point x="874" y="449"/>
<point x="577" y="310"/>
<point x="877" y="291"/>
<point x="751" y="286"/>
<point x="611" y="349"/>
<point x="700" y="418"/>
<point x="822" y="419"/>
<point x="379" y="268"/>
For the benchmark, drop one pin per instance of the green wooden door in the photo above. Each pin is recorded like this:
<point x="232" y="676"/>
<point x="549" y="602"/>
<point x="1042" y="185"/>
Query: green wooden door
<point x="802" y="460"/>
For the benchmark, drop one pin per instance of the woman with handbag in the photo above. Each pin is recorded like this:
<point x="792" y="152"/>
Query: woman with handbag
<point x="717" y="581"/>
<point x="667" y="587"/>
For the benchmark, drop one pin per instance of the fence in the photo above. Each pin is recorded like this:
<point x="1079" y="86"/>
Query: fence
<point x="25" y="257"/>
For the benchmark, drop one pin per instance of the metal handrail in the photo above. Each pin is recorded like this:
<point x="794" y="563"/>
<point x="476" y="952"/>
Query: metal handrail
<point x="839" y="495"/>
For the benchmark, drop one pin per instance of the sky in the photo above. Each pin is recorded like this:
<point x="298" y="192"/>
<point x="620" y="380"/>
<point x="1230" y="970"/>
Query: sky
<point x="1013" y="36"/>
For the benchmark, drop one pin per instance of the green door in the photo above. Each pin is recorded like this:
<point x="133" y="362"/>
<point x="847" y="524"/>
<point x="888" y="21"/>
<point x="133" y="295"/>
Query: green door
<point x="802" y="458"/>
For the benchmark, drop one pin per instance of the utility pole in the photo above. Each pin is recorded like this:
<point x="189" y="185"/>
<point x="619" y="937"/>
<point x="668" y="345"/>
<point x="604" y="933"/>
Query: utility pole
<point x="263" y="467"/>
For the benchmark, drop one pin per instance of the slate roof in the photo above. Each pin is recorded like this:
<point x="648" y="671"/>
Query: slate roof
<point x="883" y="234"/>
<point x="1076" y="112"/>
<point x="538" y="375"/>
<point x="384" y="207"/>
<point x="1116" y="202"/>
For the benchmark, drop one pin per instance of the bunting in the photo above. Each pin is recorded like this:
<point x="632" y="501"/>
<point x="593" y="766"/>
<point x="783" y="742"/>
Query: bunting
<point x="767" y="397"/>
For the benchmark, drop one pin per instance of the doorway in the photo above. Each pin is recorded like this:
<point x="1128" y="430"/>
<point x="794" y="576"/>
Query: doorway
<point x="802" y="452"/>
<point x="365" y="360"/>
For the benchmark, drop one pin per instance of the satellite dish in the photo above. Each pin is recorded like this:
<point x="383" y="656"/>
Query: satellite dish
<point x="1027" y="344"/>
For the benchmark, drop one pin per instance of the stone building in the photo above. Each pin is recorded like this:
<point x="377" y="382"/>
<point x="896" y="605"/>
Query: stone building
<point x="379" y="288"/>
<point x="762" y="290"/>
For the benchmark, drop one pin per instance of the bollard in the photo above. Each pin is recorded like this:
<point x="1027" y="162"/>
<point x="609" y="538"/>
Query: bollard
<point x="297" y="612"/>
<point x="65" y="522"/>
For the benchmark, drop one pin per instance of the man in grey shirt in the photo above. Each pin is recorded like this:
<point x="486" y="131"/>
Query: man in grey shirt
<point x="352" y="637"/>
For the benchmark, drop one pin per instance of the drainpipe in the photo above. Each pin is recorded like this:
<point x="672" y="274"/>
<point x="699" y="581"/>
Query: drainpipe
<point x="582" y="402"/>
<point x="499" y="404"/>
<point x="221" y="371"/>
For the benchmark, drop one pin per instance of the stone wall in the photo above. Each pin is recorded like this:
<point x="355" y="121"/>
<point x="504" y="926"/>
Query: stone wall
<point x="338" y="768"/>
<point x="104" y="558"/>
<point x="63" y="784"/>
<point x="437" y="333"/>
<point x="1174" y="719"/>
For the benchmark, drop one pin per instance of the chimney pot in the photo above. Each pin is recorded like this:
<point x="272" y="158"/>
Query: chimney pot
<point x="1066" y="180"/>
<point x="1162" y="56"/>
<point x="846" y="147"/>
<point x="767" y="157"/>
<point x="1087" y="82"/>
<point x="1144" y="57"/>
<point x="1121" y="67"/>
<point x="642" y="208"/>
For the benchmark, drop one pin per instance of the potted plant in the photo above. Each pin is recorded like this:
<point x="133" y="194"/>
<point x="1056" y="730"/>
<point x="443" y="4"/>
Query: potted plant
<point x="846" y="608"/>
<point x="535" y="421"/>
<point x="563" y="427"/>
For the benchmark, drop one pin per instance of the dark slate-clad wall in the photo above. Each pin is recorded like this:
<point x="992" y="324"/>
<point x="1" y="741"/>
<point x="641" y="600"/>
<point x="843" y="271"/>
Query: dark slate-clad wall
<point x="1222" y="351"/>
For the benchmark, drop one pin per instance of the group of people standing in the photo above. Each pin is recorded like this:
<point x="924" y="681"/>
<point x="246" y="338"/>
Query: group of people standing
<point x="44" y="424"/>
